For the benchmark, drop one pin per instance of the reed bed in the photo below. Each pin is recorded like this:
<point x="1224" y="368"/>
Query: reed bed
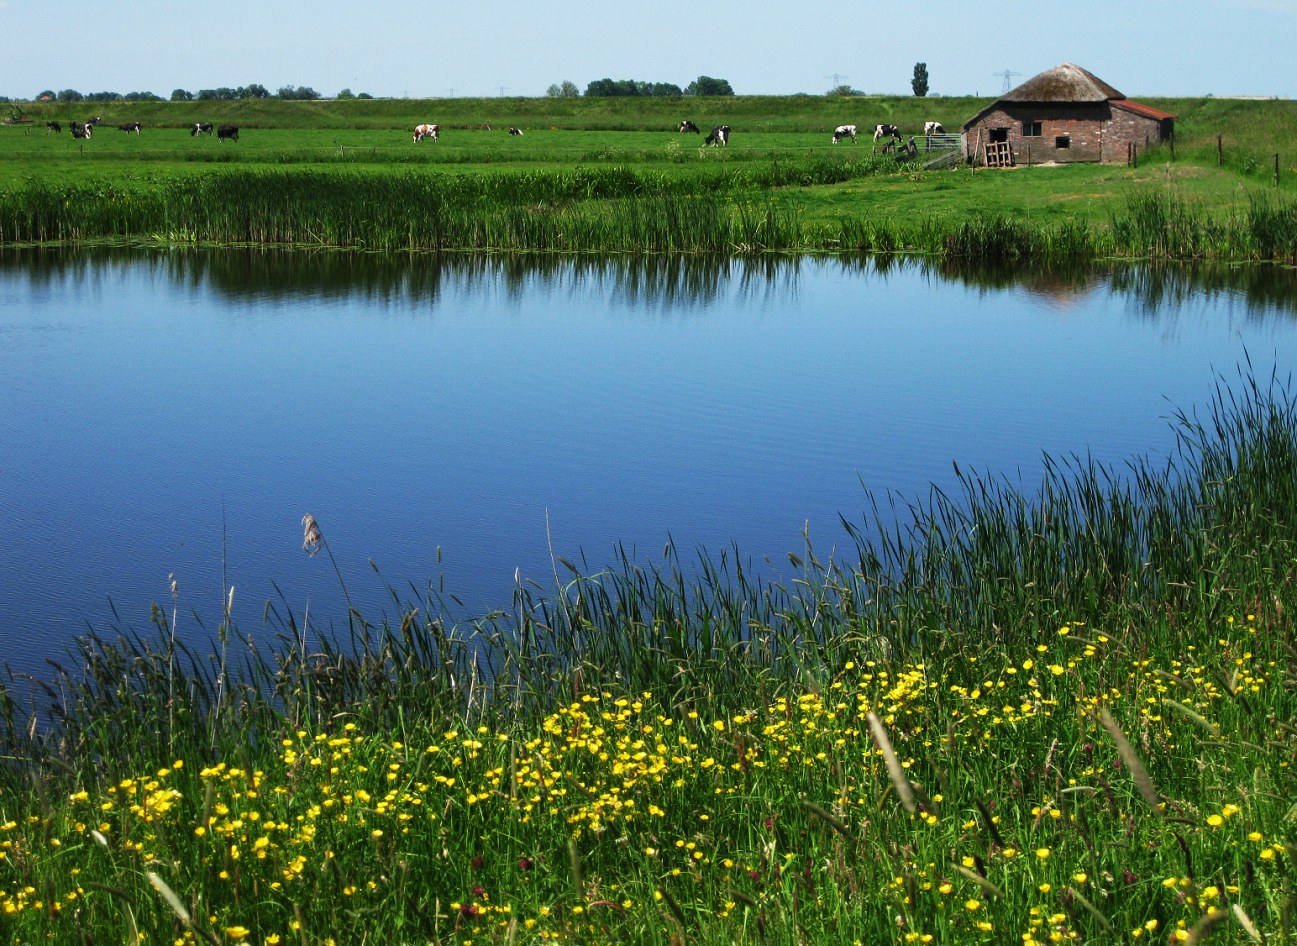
<point x="1038" y="716"/>
<point x="723" y="207"/>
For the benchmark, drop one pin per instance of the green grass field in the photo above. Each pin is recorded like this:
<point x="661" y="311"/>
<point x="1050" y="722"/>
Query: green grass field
<point x="780" y="160"/>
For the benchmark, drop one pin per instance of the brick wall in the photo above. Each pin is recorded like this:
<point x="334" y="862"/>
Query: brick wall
<point x="1085" y="132"/>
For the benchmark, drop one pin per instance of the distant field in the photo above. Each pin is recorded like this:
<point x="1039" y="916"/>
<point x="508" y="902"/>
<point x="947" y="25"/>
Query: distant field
<point x="780" y="155"/>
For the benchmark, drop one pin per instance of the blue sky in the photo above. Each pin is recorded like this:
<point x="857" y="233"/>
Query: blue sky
<point x="417" y="48"/>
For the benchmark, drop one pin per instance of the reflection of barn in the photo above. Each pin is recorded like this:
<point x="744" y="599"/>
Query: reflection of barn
<point x="1063" y="115"/>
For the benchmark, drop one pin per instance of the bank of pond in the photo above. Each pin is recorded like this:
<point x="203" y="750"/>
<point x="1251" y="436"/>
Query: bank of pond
<point x="1064" y="715"/>
<point x="729" y="208"/>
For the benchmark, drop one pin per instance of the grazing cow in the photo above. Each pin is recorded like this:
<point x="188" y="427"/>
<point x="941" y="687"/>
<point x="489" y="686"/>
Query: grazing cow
<point x="844" y="131"/>
<point x="908" y="150"/>
<point x="131" y="126"/>
<point x="227" y="131"/>
<point x="95" y="121"/>
<point x="81" y="131"/>
<point x="933" y="128"/>
<point x="201" y="128"/>
<point x="687" y="125"/>
<point x="515" y="131"/>
<point x="720" y="135"/>
<point x="54" y="127"/>
<point x="887" y="131"/>
<point x="426" y="131"/>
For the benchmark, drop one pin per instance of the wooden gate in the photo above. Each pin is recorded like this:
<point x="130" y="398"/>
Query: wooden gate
<point x="998" y="154"/>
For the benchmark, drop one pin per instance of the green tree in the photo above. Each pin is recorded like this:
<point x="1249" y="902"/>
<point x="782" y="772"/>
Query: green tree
<point x="346" y="94"/>
<point x="920" y="81"/>
<point x="180" y="95"/>
<point x="70" y="95"/>
<point x="706" y="85"/>
<point x="839" y="90"/>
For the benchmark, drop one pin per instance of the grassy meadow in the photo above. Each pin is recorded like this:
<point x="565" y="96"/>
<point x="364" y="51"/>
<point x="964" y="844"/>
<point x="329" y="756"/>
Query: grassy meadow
<point x="1060" y="717"/>
<point x="613" y="175"/>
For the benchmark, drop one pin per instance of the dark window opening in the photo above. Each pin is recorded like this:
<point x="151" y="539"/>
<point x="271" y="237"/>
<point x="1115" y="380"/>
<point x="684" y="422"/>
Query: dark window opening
<point x="1062" y="141"/>
<point x="998" y="134"/>
<point x="1031" y="129"/>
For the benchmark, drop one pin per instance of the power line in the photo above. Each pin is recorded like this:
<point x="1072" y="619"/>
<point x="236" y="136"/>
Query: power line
<point x="1007" y="73"/>
<point x="837" y="78"/>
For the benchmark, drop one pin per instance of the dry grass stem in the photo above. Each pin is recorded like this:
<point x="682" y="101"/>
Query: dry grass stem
<point x="894" y="767"/>
<point x="1137" y="770"/>
<point x="311" y="539"/>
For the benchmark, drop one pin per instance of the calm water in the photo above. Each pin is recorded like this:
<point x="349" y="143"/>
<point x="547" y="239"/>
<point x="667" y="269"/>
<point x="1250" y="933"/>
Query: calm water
<point x="178" y="413"/>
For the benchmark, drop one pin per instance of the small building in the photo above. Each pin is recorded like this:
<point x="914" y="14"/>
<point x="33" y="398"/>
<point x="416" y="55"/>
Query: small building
<point x="1064" y="115"/>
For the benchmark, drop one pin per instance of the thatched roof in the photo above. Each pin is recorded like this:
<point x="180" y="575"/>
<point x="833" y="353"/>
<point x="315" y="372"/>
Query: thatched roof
<point x="1065" y="83"/>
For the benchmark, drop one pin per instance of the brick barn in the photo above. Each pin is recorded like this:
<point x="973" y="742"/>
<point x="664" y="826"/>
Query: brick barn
<point x="1064" y="115"/>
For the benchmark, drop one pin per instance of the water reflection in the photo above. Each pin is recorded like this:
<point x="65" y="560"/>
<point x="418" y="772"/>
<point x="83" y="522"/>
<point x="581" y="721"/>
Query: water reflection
<point x="661" y="282"/>
<point x="470" y="417"/>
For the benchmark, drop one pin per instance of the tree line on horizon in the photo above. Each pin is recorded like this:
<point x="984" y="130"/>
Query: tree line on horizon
<point x="225" y="93"/>
<point x="702" y="86"/>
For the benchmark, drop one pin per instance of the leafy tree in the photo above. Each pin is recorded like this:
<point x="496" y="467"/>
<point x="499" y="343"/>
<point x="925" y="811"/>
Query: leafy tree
<point x="254" y="91"/>
<point x="297" y="93"/>
<point x="567" y="90"/>
<point x="142" y="97"/>
<point x="70" y="95"/>
<point x="345" y="94"/>
<point x="48" y="95"/>
<point x="180" y="95"/>
<point x="631" y="87"/>
<point x="363" y="95"/>
<point x="838" y="90"/>
<point x="920" y="81"/>
<point x="103" y="96"/>
<point x="706" y="85"/>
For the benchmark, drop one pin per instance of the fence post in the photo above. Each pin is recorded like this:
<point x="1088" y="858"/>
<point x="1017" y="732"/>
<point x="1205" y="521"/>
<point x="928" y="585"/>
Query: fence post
<point x="1220" y="152"/>
<point x="1134" y="155"/>
<point x="1276" y="170"/>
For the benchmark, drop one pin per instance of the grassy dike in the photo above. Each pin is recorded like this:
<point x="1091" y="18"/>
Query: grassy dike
<point x="612" y="175"/>
<point x="1063" y="716"/>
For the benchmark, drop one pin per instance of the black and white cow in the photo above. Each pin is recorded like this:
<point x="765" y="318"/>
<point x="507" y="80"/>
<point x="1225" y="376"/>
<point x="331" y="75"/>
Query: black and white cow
<point x="933" y="128"/>
<point x="95" y="121"/>
<point x="227" y="131"/>
<point x="689" y="126"/>
<point x="130" y="126"/>
<point x="720" y="135"/>
<point x="844" y="131"/>
<point x="516" y="132"/>
<point x="426" y="131"/>
<point x="201" y="128"/>
<point x="55" y="127"/>
<point x="887" y="131"/>
<point x="81" y="131"/>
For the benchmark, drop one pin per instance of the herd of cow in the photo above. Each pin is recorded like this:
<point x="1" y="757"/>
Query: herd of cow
<point x="719" y="135"/>
<point x="86" y="129"/>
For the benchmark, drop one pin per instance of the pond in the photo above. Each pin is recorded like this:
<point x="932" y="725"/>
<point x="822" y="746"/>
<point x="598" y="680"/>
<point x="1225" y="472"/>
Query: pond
<point x="462" y="423"/>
